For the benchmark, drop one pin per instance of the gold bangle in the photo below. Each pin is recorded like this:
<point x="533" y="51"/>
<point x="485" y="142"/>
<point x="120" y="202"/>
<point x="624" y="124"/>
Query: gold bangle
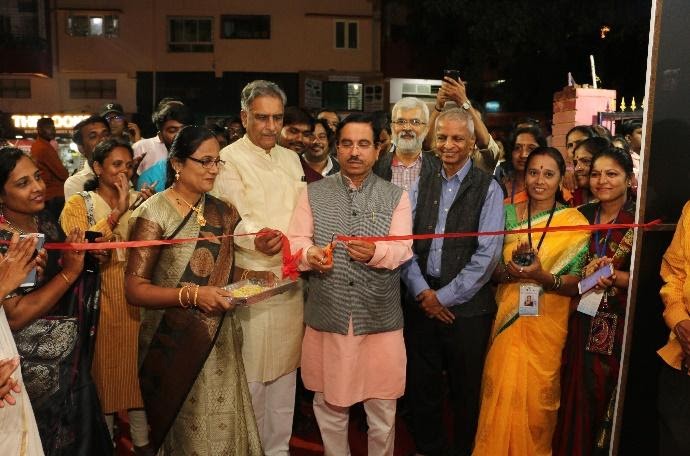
<point x="64" y="276"/>
<point x="196" y="293"/>
<point x="179" y="297"/>
<point x="188" y="295"/>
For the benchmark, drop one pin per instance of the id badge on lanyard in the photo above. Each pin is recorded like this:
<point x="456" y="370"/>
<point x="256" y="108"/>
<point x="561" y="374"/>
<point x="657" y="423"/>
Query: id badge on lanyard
<point x="531" y="298"/>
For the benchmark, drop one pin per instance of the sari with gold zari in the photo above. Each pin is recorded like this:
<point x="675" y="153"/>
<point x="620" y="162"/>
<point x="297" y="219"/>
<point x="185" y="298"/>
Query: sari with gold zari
<point x="521" y="382"/>
<point x="191" y="372"/>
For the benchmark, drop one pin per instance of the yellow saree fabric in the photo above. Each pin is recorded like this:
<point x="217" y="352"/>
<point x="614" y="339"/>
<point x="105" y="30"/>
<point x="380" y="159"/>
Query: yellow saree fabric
<point x="521" y="382"/>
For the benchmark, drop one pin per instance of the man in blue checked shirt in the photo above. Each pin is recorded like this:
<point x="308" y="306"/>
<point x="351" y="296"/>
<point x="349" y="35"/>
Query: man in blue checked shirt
<point x="449" y="305"/>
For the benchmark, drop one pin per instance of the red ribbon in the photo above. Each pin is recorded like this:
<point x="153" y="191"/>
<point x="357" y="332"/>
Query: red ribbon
<point x="597" y="227"/>
<point x="291" y="262"/>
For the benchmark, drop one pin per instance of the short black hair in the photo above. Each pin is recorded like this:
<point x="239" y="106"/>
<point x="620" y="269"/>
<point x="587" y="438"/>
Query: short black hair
<point x="359" y="117"/>
<point x="327" y="110"/>
<point x="44" y="121"/>
<point x="173" y="111"/>
<point x="383" y="120"/>
<point x="294" y="116"/>
<point x="76" y="131"/>
<point x="629" y="126"/>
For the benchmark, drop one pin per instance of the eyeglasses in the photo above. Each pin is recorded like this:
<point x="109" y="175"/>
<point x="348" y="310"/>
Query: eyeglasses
<point x="349" y="146"/>
<point x="208" y="162"/>
<point x="404" y="122"/>
<point x="115" y="117"/>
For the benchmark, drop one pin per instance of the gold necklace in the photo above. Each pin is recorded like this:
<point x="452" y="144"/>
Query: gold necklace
<point x="14" y="227"/>
<point x="199" y="217"/>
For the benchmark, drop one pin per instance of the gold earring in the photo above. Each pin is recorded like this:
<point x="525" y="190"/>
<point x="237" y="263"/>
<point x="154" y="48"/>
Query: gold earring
<point x="177" y="175"/>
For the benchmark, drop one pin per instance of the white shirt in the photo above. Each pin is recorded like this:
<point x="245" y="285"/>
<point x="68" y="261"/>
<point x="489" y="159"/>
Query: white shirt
<point x="75" y="183"/>
<point x="154" y="149"/>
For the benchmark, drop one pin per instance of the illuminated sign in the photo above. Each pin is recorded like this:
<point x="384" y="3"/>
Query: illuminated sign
<point x="62" y="121"/>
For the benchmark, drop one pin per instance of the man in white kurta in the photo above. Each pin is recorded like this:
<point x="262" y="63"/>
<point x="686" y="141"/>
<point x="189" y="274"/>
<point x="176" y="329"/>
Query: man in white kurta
<point x="263" y="180"/>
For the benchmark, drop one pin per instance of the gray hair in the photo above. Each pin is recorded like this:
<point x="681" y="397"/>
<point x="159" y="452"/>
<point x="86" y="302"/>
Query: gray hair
<point x="260" y="88"/>
<point x="411" y="103"/>
<point x="457" y="114"/>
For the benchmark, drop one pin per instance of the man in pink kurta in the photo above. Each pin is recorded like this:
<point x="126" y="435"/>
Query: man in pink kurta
<point x="353" y="349"/>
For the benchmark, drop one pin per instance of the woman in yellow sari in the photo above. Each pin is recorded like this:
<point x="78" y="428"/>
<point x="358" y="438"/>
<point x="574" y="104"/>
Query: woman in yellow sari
<point x="521" y="383"/>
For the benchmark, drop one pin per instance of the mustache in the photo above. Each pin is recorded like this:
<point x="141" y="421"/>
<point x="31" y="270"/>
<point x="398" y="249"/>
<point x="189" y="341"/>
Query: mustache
<point x="407" y="133"/>
<point x="354" y="160"/>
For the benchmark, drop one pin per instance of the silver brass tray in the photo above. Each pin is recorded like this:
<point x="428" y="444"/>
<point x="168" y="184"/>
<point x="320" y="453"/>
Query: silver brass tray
<point x="268" y="290"/>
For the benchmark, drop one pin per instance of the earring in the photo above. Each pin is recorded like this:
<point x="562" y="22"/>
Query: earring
<point x="177" y="175"/>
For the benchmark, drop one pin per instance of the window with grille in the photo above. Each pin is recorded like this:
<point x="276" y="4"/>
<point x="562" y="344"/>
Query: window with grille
<point x="346" y="34"/>
<point x="245" y="27"/>
<point x="88" y="25"/>
<point x="15" y="88"/>
<point x="190" y="34"/>
<point x="92" y="88"/>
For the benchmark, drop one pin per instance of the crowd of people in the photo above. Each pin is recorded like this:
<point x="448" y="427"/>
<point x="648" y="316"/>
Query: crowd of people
<point x="518" y="337"/>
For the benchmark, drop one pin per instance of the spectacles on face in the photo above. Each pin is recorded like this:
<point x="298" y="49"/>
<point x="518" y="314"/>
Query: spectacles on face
<point x="413" y="122"/>
<point x="349" y="146"/>
<point x="115" y="117"/>
<point x="208" y="163"/>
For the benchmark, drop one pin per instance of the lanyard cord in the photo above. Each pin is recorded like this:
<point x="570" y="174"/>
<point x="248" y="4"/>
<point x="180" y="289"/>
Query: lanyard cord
<point x="601" y="250"/>
<point x="529" y="223"/>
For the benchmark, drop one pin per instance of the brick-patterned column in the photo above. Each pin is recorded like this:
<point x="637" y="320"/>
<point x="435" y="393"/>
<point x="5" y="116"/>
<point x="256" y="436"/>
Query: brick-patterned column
<point x="576" y="106"/>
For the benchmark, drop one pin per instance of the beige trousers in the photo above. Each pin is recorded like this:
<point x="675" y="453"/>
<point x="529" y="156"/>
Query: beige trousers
<point x="274" y="407"/>
<point x="333" y="424"/>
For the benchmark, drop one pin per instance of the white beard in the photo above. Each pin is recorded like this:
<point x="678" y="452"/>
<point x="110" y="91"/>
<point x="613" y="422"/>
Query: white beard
<point x="408" y="146"/>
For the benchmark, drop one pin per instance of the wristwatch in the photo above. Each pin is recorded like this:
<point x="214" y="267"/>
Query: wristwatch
<point x="466" y="105"/>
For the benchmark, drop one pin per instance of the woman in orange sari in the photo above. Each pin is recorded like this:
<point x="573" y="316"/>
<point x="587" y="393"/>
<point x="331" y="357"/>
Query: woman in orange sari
<point x="521" y="383"/>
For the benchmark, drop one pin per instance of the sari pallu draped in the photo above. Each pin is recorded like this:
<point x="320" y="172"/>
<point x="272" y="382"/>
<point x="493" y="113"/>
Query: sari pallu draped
<point x="191" y="373"/>
<point x="589" y="379"/>
<point x="57" y="353"/>
<point x="520" y="385"/>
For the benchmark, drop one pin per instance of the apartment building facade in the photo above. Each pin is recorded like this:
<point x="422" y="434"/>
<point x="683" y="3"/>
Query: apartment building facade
<point x="324" y="53"/>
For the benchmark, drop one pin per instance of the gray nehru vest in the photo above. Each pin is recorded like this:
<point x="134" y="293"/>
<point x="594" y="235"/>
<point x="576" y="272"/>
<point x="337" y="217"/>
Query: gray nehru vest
<point x="371" y="296"/>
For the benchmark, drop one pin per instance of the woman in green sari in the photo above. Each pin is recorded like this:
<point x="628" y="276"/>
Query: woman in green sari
<point x="520" y="387"/>
<point x="191" y="372"/>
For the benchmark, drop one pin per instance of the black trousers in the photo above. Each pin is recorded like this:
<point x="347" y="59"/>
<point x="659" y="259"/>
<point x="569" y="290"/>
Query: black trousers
<point x="674" y="412"/>
<point x="459" y="349"/>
